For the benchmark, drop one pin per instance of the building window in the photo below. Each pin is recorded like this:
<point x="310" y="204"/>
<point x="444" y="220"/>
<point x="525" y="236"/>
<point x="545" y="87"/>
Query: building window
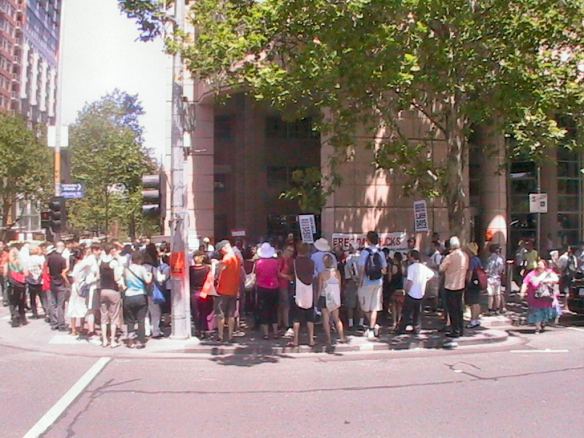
<point x="299" y="129"/>
<point x="569" y="196"/>
<point x="523" y="181"/>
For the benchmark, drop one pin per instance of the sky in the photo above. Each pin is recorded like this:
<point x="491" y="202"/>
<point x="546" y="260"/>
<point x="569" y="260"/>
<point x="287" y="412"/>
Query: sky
<point x="101" y="53"/>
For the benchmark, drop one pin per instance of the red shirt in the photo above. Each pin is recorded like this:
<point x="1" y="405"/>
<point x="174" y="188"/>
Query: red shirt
<point x="230" y="277"/>
<point x="285" y="267"/>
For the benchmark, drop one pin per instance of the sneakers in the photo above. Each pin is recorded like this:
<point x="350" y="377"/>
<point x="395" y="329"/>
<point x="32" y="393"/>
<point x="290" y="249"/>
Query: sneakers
<point x="289" y="333"/>
<point x="370" y="334"/>
<point x="473" y="324"/>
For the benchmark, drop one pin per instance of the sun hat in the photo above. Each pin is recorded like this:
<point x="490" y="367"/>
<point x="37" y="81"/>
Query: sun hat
<point x="266" y="251"/>
<point x="473" y="248"/>
<point x="322" y="245"/>
<point x="50" y="249"/>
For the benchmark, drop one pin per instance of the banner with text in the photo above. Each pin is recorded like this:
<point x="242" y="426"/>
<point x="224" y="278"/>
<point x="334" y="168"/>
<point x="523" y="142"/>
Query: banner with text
<point x="397" y="240"/>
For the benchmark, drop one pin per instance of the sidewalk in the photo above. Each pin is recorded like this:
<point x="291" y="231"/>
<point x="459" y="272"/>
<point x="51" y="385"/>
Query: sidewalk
<point x="37" y="336"/>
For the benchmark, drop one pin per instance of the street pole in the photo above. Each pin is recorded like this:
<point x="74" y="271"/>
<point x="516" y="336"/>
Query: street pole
<point x="538" y="232"/>
<point x="181" y="315"/>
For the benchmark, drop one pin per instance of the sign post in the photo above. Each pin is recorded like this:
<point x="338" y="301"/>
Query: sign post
<point x="421" y="217"/>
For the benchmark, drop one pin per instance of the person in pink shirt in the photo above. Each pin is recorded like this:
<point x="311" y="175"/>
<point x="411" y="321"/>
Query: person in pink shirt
<point x="285" y="277"/>
<point x="539" y="287"/>
<point x="268" y="287"/>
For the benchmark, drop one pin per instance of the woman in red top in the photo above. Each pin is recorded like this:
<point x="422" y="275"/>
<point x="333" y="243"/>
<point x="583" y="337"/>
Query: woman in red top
<point x="268" y="286"/>
<point x="541" y="310"/>
<point x="285" y="277"/>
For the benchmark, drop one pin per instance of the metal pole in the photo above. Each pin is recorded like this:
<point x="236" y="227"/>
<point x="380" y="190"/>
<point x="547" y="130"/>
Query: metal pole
<point x="538" y="236"/>
<point x="181" y="315"/>
<point x="59" y="103"/>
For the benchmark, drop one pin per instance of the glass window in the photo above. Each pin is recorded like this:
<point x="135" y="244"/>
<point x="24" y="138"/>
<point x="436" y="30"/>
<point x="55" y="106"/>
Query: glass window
<point x="224" y="127"/>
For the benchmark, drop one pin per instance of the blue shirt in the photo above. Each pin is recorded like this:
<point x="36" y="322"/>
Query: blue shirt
<point x="363" y="260"/>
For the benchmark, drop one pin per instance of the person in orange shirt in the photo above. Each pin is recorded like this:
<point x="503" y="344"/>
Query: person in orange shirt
<point x="227" y="289"/>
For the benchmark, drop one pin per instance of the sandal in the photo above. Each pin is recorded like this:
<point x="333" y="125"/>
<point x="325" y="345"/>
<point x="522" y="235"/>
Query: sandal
<point x="266" y="337"/>
<point x="115" y="344"/>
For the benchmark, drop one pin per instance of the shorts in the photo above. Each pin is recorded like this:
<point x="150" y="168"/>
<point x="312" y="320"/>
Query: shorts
<point x="398" y="296"/>
<point x="301" y="315"/>
<point x="370" y="298"/>
<point x="110" y="306"/>
<point x="472" y="296"/>
<point x="350" y="296"/>
<point x="225" y="306"/>
<point x="493" y="287"/>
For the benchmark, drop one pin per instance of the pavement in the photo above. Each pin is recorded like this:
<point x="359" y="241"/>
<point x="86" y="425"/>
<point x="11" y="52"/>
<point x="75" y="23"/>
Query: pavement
<point x="37" y="336"/>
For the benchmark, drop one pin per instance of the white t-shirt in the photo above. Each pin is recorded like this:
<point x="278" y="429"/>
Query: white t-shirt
<point x="419" y="275"/>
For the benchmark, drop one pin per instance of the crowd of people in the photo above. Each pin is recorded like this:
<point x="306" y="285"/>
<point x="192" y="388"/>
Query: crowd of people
<point x="114" y="292"/>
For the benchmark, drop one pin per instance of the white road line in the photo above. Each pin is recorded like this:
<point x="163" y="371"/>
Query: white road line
<point x="578" y="329"/>
<point x="58" y="408"/>
<point x="547" y="350"/>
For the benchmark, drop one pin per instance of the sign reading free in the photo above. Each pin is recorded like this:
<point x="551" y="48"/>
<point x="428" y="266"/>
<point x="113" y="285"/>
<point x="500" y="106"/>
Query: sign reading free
<point x="397" y="240"/>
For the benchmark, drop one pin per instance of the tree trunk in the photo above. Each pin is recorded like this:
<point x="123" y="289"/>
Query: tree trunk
<point x="455" y="194"/>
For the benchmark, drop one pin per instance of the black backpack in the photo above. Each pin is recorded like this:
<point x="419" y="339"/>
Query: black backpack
<point x="373" y="265"/>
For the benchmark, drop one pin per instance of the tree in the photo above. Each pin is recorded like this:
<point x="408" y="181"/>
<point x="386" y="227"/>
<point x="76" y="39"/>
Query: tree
<point x="25" y="165"/>
<point x="513" y="64"/>
<point x="109" y="157"/>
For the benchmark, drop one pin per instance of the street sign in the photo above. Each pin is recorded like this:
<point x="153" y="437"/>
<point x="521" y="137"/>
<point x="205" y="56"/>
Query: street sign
<point x="72" y="191"/>
<point x="421" y="217"/>
<point x="538" y="203"/>
<point x="52" y="136"/>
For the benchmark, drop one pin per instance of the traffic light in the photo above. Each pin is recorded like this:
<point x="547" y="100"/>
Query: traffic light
<point x="151" y="196"/>
<point x="57" y="214"/>
<point x="45" y="219"/>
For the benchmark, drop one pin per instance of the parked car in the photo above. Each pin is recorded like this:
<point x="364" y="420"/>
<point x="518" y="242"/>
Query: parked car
<point x="576" y="295"/>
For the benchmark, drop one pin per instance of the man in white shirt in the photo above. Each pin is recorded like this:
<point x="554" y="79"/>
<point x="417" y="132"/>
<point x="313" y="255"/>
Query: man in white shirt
<point x="418" y="276"/>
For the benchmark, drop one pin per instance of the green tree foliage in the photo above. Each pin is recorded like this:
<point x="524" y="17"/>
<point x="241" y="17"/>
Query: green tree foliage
<point x="108" y="156"/>
<point x="307" y="189"/>
<point x="512" y="64"/>
<point x="25" y="165"/>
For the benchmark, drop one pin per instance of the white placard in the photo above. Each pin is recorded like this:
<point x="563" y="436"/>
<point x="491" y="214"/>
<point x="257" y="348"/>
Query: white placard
<point x="307" y="227"/>
<point x="52" y="136"/>
<point x="421" y="217"/>
<point x="238" y="233"/>
<point x="538" y="203"/>
<point x="397" y="240"/>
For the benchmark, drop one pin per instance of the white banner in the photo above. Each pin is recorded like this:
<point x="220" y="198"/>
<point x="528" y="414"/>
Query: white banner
<point x="397" y="240"/>
<point x="421" y="217"/>
<point x="307" y="226"/>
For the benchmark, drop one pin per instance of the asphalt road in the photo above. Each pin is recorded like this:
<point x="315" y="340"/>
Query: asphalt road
<point x="531" y="389"/>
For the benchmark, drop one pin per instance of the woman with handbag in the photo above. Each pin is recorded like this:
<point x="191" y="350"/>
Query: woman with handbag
<point x="111" y="272"/>
<point x="77" y="307"/>
<point x="34" y="279"/>
<point x="329" y="287"/>
<point x="152" y="264"/>
<point x="396" y="286"/>
<point x="17" y="288"/>
<point x="539" y="287"/>
<point x="303" y="306"/>
<point x="201" y="280"/>
<point x="266" y="269"/>
<point x="137" y="278"/>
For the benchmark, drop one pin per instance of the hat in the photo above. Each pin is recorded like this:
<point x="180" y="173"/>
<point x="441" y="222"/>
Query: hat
<point x="473" y="248"/>
<point x="322" y="245"/>
<point x="221" y="245"/>
<point x="266" y="251"/>
<point x="50" y="249"/>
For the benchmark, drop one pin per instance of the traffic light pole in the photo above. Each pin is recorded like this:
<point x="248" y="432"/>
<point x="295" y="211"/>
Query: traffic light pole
<point x="181" y="315"/>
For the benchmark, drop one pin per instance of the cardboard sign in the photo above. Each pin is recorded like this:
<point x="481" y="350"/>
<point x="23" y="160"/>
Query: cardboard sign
<point x="421" y="217"/>
<point x="397" y="240"/>
<point x="238" y="233"/>
<point x="307" y="226"/>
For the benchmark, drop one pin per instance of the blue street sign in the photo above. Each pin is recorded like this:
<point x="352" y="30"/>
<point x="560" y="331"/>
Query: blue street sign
<point x="72" y="191"/>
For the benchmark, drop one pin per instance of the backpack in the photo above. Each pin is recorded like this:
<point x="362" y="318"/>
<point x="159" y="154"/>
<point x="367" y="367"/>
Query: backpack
<point x="373" y="265"/>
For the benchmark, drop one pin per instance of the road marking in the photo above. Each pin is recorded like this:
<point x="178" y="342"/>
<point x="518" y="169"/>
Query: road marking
<point x="578" y="329"/>
<point x="70" y="396"/>
<point x="547" y="350"/>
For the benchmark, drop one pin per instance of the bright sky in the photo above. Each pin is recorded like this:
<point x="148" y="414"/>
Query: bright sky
<point x="100" y="53"/>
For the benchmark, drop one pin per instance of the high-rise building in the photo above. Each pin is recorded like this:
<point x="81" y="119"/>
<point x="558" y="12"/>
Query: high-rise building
<point x="9" y="15"/>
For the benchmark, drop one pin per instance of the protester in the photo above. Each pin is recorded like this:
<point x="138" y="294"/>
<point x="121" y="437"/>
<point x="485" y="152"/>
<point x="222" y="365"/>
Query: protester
<point x="538" y="286"/>
<point x="111" y="271"/>
<point x="329" y="287"/>
<point x="267" y="269"/>
<point x="530" y="257"/>
<point x="415" y="287"/>
<point x="152" y="264"/>
<point x="472" y="296"/>
<point x="568" y="266"/>
<point x="304" y="296"/>
<point x="433" y="287"/>
<point x="77" y="305"/>
<point x="372" y="267"/>
<point x="454" y="267"/>
<point x="59" y="284"/>
<point x="495" y="270"/>
<point x="322" y="248"/>
<point x="91" y="269"/>
<point x="3" y="273"/>
<point x="201" y="302"/>
<point x="227" y="289"/>
<point x="137" y="278"/>
<point x="397" y="289"/>
<point x="350" y="301"/>
<point x="285" y="279"/>
<point x="17" y="290"/>
<point x="34" y="280"/>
